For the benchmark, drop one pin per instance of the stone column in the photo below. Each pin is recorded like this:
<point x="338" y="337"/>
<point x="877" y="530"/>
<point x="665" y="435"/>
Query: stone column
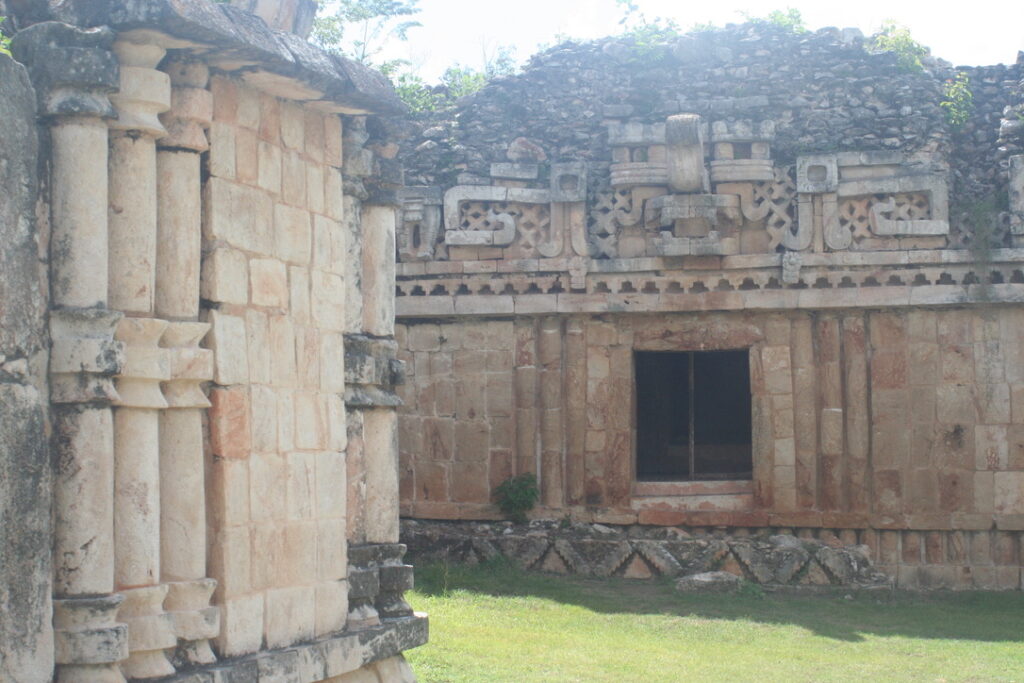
<point x="145" y="92"/>
<point x="73" y="71"/>
<point x="182" y="484"/>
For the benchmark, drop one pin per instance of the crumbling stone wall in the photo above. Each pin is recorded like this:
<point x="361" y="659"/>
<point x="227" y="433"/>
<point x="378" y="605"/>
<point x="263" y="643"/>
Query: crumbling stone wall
<point x="25" y="474"/>
<point x="824" y="90"/>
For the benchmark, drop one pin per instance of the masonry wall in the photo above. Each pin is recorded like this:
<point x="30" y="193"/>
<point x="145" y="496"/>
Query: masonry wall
<point x="872" y="421"/>
<point x="25" y="477"/>
<point x="173" y="309"/>
<point x="273" y="274"/>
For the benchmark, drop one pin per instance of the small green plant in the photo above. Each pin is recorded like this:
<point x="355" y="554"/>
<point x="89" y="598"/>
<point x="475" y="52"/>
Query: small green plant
<point x="958" y="100"/>
<point x="789" y="19"/>
<point x="650" y="37"/>
<point x="749" y="589"/>
<point x="897" y="39"/>
<point x="517" y="495"/>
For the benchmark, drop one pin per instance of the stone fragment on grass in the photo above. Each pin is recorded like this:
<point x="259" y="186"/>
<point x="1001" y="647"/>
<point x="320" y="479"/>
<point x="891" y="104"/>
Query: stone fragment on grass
<point x="709" y="582"/>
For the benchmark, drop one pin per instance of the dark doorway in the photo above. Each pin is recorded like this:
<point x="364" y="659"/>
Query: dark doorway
<point x="693" y="415"/>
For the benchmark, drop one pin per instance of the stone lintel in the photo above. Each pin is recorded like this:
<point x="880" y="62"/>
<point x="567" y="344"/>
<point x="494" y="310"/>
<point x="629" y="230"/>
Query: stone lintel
<point x="241" y="39"/>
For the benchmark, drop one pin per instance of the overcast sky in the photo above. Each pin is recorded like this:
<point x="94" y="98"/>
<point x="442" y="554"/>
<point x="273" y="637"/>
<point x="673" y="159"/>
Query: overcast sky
<point x="965" y="33"/>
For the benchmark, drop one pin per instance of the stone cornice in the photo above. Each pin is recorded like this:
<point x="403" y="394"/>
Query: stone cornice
<point x="234" y="39"/>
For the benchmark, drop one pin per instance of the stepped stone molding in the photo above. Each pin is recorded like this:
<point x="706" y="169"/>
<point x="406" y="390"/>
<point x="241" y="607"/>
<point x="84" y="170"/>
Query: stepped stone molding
<point x="805" y="558"/>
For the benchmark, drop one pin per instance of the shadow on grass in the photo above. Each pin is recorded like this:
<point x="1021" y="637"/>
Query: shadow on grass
<point x="972" y="616"/>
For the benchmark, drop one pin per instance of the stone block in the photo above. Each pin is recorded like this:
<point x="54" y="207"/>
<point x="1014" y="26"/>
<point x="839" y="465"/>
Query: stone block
<point x="333" y="194"/>
<point x="300" y="554"/>
<point x="225" y="276"/>
<point x="328" y="300"/>
<point x="289" y="616"/>
<point x="228" y="492"/>
<point x="301" y="485"/>
<point x="257" y="337"/>
<point x="239" y="215"/>
<point x="292" y="234"/>
<point x="270" y="119"/>
<point x="293" y="126"/>
<point x="315" y="135"/>
<point x="269" y="159"/>
<point x="315" y="188"/>
<point x="227" y="339"/>
<point x="431" y="481"/>
<point x="230" y="562"/>
<point x="282" y="351"/>
<point x="293" y="179"/>
<point x="241" y="630"/>
<point x="248" y="112"/>
<point x="991" y="448"/>
<point x="470" y="483"/>
<point x="269" y="561"/>
<point x="307" y="357"/>
<point x="229" y="422"/>
<point x="247" y="162"/>
<point x="225" y="99"/>
<point x="330" y="495"/>
<point x="268" y="476"/>
<point x="1009" y="492"/>
<point x="269" y="283"/>
<point x="298" y="289"/>
<point x="337" y="422"/>
<point x="328" y="242"/>
<point x="222" y="150"/>
<point x="331" y="549"/>
<point x="310" y="421"/>
<point x="331" y="607"/>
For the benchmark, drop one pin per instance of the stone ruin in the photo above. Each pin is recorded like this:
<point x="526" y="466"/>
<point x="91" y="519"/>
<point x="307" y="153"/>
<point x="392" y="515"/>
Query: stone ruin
<point x="196" y="304"/>
<point x="745" y="288"/>
<point x="753" y="283"/>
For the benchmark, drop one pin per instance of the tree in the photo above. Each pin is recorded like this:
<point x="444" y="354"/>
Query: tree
<point x="361" y="29"/>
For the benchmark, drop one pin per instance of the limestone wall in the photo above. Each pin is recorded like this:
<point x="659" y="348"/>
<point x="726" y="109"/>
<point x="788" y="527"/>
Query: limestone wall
<point x="274" y="267"/>
<point x="201" y="219"/>
<point x="861" y="419"/>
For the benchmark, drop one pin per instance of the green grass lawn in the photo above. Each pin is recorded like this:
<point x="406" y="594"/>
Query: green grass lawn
<point x="494" y="623"/>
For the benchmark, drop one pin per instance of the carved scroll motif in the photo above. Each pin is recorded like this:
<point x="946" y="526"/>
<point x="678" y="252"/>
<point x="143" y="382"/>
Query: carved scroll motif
<point x="420" y="226"/>
<point x="774" y="203"/>
<point x="886" y="215"/>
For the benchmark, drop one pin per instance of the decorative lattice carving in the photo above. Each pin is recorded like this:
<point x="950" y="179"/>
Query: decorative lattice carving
<point x="855" y="212"/>
<point x="527" y="225"/>
<point x="610" y="210"/>
<point x="774" y="203"/>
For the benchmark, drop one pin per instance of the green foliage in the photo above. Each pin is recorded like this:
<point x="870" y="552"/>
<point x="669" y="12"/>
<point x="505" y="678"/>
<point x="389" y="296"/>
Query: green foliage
<point x="360" y="29"/>
<point x="457" y="81"/>
<point x="517" y="495"/>
<point x="5" y="42"/>
<point x="958" y="100"/>
<point x="897" y="39"/>
<point x="416" y="94"/>
<point x="789" y="19"/>
<point x="749" y="589"/>
<point x="649" y="36"/>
